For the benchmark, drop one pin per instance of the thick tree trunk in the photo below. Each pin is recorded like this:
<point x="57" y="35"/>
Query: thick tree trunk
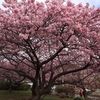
<point x="35" y="97"/>
<point x="38" y="91"/>
<point x="35" y="93"/>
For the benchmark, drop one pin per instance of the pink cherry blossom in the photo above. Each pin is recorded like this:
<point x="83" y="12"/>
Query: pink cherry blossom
<point x="44" y="41"/>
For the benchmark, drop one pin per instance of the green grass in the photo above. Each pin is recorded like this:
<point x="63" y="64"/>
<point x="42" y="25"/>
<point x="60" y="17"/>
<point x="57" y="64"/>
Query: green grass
<point x="15" y="95"/>
<point x="19" y="95"/>
<point x="55" y="98"/>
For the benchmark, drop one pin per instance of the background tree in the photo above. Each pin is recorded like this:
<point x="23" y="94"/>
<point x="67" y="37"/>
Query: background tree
<point x="87" y="80"/>
<point x="44" y="37"/>
<point x="11" y="79"/>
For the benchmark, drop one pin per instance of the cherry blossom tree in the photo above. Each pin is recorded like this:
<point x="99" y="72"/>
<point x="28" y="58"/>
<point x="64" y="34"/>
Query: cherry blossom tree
<point x="86" y="79"/>
<point x="39" y="39"/>
<point x="13" y="79"/>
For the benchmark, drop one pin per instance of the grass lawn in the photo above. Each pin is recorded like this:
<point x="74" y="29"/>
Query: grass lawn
<point x="15" y="95"/>
<point x="19" y="95"/>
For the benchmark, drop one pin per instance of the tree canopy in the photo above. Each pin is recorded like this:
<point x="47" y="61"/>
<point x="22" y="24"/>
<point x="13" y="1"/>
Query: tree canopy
<point x="40" y="40"/>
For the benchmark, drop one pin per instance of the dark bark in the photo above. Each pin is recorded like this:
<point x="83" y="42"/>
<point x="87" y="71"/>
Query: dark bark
<point x="35" y="97"/>
<point x="38" y="92"/>
<point x="10" y="87"/>
<point x="35" y="91"/>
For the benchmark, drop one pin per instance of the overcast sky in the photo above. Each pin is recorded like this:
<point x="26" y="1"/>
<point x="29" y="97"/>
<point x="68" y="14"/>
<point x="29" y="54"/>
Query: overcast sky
<point x="96" y="3"/>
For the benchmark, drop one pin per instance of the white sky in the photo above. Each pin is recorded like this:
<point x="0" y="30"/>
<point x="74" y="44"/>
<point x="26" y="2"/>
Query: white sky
<point x="96" y="3"/>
